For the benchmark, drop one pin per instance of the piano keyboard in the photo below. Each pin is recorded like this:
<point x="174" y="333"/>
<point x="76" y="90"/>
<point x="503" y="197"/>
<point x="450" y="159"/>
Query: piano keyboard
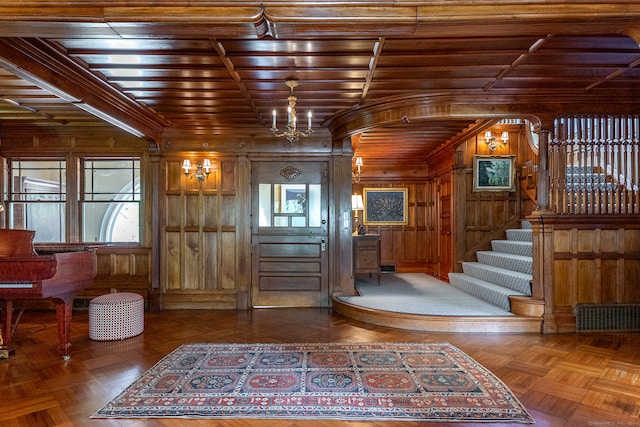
<point x="16" y="285"/>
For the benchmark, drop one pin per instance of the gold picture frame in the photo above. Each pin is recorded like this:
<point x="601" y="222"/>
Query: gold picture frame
<point x="385" y="206"/>
<point x="494" y="173"/>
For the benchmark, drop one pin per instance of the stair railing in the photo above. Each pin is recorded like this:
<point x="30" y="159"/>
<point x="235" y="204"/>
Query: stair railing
<point x="594" y="165"/>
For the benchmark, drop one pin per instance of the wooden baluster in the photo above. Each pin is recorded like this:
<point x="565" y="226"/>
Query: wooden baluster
<point x="618" y="164"/>
<point x="590" y="150"/>
<point x="606" y="168"/>
<point x="595" y="161"/>
<point x="598" y="158"/>
<point x="635" y="164"/>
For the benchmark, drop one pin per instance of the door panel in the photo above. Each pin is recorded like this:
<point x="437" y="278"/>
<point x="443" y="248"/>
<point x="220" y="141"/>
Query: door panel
<point x="289" y="240"/>
<point x="446" y="226"/>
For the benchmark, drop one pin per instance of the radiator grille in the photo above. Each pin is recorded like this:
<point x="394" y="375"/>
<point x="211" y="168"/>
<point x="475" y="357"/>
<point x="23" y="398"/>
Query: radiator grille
<point x="608" y="317"/>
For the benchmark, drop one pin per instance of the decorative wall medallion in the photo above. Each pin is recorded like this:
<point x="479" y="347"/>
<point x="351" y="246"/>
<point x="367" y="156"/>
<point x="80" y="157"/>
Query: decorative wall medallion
<point x="290" y="172"/>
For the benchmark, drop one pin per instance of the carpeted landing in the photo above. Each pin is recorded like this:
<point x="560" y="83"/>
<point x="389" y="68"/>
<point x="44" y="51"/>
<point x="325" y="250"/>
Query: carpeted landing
<point x="418" y="293"/>
<point x="345" y="381"/>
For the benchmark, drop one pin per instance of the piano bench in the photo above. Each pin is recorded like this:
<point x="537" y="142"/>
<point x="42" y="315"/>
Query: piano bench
<point x="116" y="316"/>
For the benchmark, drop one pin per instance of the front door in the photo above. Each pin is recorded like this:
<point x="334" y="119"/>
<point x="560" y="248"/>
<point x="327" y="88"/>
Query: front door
<point x="289" y="234"/>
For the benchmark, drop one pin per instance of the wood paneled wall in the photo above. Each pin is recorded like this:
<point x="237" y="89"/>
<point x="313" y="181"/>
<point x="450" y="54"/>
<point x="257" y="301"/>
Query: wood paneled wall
<point x="200" y="240"/>
<point x="588" y="260"/>
<point x="485" y="215"/>
<point x="120" y="269"/>
<point x="408" y="247"/>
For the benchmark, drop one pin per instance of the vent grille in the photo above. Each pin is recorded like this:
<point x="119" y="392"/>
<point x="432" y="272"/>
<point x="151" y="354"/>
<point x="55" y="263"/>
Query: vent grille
<point x="608" y="317"/>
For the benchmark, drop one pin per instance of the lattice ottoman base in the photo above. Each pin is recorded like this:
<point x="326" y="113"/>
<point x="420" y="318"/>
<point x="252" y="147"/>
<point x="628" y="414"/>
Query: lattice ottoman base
<point x="116" y="316"/>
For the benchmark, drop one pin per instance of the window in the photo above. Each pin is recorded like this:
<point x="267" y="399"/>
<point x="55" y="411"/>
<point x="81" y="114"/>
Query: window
<point x="289" y="205"/>
<point x="37" y="197"/>
<point x="110" y="200"/>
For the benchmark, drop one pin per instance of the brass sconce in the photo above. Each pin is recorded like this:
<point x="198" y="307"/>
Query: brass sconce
<point x="493" y="143"/>
<point x="202" y="170"/>
<point x="357" y="205"/>
<point x="357" y="174"/>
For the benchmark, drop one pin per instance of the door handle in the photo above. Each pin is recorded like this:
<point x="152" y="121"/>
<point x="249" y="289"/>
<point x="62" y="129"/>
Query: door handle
<point x="323" y="245"/>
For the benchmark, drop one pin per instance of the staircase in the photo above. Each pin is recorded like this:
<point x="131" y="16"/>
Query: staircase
<point x="501" y="273"/>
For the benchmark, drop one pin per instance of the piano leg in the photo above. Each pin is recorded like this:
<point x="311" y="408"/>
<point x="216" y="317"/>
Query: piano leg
<point x="64" y="308"/>
<point x="6" y="350"/>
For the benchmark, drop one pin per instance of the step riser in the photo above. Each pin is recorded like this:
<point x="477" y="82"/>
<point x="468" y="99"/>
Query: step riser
<point x="519" y="235"/>
<point x="512" y="247"/>
<point x="517" y="281"/>
<point x="505" y="261"/>
<point x="468" y="285"/>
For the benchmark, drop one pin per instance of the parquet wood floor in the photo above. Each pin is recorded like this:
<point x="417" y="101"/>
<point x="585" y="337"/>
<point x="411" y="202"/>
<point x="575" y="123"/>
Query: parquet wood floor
<point x="563" y="380"/>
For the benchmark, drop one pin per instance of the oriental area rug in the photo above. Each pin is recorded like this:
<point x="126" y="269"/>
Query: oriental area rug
<point x="342" y="381"/>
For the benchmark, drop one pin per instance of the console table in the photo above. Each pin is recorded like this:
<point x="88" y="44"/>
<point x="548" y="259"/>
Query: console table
<point x="366" y="254"/>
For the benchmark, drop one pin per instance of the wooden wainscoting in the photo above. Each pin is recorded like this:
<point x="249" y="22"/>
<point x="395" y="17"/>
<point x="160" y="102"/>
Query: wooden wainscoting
<point x="120" y="269"/>
<point x="584" y="259"/>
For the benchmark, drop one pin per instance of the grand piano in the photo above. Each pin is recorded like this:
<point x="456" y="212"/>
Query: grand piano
<point x="24" y="274"/>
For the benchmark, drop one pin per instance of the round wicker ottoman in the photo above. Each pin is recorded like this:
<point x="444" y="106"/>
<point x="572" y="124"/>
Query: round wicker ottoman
<point x="116" y="316"/>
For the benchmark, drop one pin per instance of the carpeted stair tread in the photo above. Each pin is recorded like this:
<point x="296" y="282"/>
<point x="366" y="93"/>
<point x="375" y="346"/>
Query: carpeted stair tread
<point x="519" y="234"/>
<point x="505" y="270"/>
<point x="519" y="263"/>
<point x="512" y="247"/>
<point x="490" y="292"/>
<point x="518" y="281"/>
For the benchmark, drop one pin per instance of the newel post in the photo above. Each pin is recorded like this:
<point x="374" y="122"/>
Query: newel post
<point x="542" y="186"/>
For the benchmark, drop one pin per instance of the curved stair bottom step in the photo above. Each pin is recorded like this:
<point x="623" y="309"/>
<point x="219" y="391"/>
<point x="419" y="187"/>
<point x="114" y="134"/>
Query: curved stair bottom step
<point x="428" y="323"/>
<point x="526" y="306"/>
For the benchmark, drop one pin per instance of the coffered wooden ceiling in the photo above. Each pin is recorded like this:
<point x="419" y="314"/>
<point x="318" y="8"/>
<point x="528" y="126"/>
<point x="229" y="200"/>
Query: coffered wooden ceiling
<point x="399" y="77"/>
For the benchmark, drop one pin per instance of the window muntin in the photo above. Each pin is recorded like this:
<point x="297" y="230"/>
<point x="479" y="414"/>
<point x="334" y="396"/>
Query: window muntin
<point x="110" y="200"/>
<point x="37" y="198"/>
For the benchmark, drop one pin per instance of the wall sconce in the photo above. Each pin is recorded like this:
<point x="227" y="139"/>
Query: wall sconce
<point x="356" y="175"/>
<point x="493" y="143"/>
<point x="199" y="174"/>
<point x="357" y="205"/>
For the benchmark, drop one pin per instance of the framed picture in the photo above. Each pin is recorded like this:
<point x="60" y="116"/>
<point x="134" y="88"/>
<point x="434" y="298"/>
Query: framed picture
<point x="493" y="173"/>
<point x="385" y="206"/>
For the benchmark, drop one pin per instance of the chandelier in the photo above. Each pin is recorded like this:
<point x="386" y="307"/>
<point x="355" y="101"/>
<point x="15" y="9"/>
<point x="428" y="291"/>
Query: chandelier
<point x="291" y="132"/>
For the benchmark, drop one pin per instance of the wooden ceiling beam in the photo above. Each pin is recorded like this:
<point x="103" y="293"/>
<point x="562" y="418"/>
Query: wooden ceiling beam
<point x="287" y="19"/>
<point x="46" y="67"/>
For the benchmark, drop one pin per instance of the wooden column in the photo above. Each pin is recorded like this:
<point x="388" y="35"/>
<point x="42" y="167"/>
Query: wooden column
<point x="152" y="235"/>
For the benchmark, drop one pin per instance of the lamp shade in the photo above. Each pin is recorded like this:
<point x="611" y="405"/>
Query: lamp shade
<point x="356" y="202"/>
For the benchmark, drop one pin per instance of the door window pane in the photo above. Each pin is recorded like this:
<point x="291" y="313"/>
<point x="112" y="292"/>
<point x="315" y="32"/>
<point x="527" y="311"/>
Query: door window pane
<point x="289" y="205"/>
<point x="314" y="205"/>
<point x="265" y="205"/>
